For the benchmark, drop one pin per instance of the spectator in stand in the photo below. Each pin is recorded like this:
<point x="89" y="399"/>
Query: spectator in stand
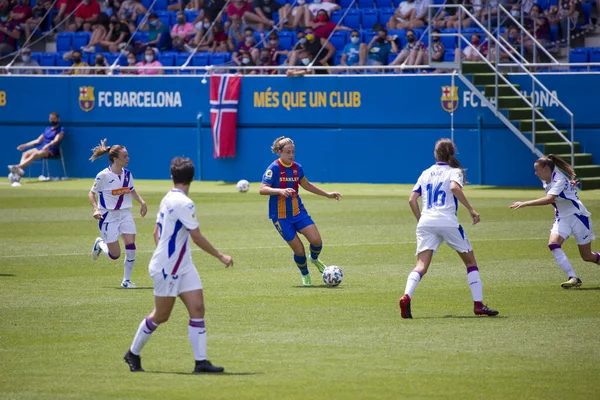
<point x="475" y="7"/>
<point x="323" y="26"/>
<point x="158" y="34"/>
<point x="117" y="37"/>
<point x="38" y="12"/>
<point x="101" y="65"/>
<point x="203" y="36"/>
<point x="211" y="9"/>
<point x="75" y="69"/>
<point x="355" y="52"/>
<point x="10" y="32"/>
<point x="236" y="32"/>
<point x="265" y="9"/>
<point x="129" y="11"/>
<point x="273" y="46"/>
<point x="306" y="59"/>
<point x="64" y="8"/>
<point x="26" y="61"/>
<point x="238" y="9"/>
<point x="538" y="26"/>
<point x="21" y="12"/>
<point x="131" y="62"/>
<point x="220" y="40"/>
<point x="150" y="61"/>
<point x="469" y="53"/>
<point x="448" y="16"/>
<point x="420" y="16"/>
<point x="244" y="59"/>
<point x="436" y="48"/>
<point x="247" y="46"/>
<point x="86" y="15"/>
<point x="267" y="59"/>
<point x="180" y="5"/>
<point x="380" y="48"/>
<point x="99" y="33"/>
<point x="295" y="19"/>
<point x="320" y="49"/>
<point x="404" y="13"/>
<point x="182" y="31"/>
<point x="328" y="6"/>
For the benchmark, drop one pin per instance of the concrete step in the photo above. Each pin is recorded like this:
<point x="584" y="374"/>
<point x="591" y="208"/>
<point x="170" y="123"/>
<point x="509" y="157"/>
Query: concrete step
<point x="522" y="113"/>
<point x="503" y="90"/>
<point x="476" y="68"/>
<point x="580" y="158"/>
<point x="559" y="148"/>
<point x="540" y="125"/>
<point x="485" y="79"/>
<point x="587" y="171"/>
<point x="542" y="137"/>
<point x="506" y="102"/>
<point x="590" y="183"/>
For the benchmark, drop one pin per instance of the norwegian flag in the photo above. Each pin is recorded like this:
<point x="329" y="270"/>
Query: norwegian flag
<point x="224" y="97"/>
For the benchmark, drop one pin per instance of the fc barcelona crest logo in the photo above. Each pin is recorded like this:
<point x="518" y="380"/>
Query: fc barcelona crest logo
<point x="449" y="98"/>
<point x="86" y="98"/>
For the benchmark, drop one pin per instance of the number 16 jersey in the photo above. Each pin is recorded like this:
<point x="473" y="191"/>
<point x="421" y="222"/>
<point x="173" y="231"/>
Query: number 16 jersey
<point x="440" y="207"/>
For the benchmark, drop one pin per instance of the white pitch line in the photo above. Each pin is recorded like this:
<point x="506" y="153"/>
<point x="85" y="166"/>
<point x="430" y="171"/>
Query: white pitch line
<point x="274" y="247"/>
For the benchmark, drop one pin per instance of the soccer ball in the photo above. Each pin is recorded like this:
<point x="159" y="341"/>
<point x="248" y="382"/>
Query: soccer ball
<point x="243" y="186"/>
<point x="333" y="275"/>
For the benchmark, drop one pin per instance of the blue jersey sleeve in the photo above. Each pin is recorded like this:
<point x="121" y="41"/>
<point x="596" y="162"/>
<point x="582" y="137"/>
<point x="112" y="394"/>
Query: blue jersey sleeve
<point x="271" y="174"/>
<point x="300" y="173"/>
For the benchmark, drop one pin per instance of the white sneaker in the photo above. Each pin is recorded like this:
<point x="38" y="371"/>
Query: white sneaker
<point x="127" y="284"/>
<point x="96" y="250"/>
<point x="15" y="184"/>
<point x="16" y="170"/>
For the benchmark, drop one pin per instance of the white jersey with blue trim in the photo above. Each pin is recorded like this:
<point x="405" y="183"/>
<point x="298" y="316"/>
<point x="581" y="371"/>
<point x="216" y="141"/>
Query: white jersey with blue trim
<point x="114" y="191"/>
<point x="567" y="202"/>
<point x="439" y="204"/>
<point x="177" y="215"/>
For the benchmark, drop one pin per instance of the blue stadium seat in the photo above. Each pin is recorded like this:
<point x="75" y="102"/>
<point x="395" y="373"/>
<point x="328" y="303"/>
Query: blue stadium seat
<point x="384" y="4"/>
<point x="64" y="41"/>
<point x="364" y="4"/>
<point x="160" y="5"/>
<point x="580" y="55"/>
<point x="140" y="37"/>
<point x="286" y="40"/>
<point x="385" y="14"/>
<point x="81" y="39"/>
<point x="347" y="3"/>
<point x="391" y="58"/>
<point x="166" y="58"/>
<point x="111" y="57"/>
<point x="338" y="39"/>
<point x="337" y="58"/>
<point x="180" y="59"/>
<point x="587" y="11"/>
<point x="147" y="4"/>
<point x="191" y="15"/>
<point x="401" y="34"/>
<point x="219" y="58"/>
<point x="369" y="18"/>
<point x="367" y="36"/>
<point x="87" y="58"/>
<point x="200" y="59"/>
<point x="449" y="55"/>
<point x="164" y="17"/>
<point x="48" y="59"/>
<point x="61" y="62"/>
<point x="35" y="57"/>
<point x="595" y="55"/>
<point x="351" y="20"/>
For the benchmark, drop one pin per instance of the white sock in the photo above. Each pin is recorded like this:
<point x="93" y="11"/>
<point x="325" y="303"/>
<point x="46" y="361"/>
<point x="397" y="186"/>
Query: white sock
<point x="143" y="334"/>
<point x="411" y="283"/>
<point x="129" y="261"/>
<point x="563" y="261"/>
<point x="197" y="335"/>
<point x="103" y="247"/>
<point x="475" y="283"/>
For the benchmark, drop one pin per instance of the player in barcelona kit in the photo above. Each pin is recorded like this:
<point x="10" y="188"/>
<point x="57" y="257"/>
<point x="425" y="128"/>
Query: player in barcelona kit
<point x="281" y="183"/>
<point x="173" y="272"/>
<point x="441" y="188"/>
<point x="115" y="189"/>
<point x="571" y="216"/>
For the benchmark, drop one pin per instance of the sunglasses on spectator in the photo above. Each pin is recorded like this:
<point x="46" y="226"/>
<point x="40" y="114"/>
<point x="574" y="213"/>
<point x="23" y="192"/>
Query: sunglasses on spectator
<point x="354" y="36"/>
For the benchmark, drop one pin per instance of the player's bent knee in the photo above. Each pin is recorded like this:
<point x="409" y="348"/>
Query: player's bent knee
<point x="114" y="256"/>
<point x="553" y="246"/>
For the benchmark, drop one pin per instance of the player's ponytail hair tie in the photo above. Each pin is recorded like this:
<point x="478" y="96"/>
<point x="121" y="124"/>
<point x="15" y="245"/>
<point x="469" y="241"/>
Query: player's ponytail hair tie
<point x="552" y="161"/>
<point x="280" y="143"/>
<point x="102" y="149"/>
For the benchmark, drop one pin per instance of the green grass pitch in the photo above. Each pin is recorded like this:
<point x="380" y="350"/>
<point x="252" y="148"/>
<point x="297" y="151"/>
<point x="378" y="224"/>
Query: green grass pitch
<point x="65" y="325"/>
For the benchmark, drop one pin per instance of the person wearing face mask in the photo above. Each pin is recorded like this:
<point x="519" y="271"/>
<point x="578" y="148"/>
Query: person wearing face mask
<point x="355" y="52"/>
<point x="150" y="61"/>
<point x="469" y="53"/>
<point x="9" y="33"/>
<point x="404" y="13"/>
<point x="99" y="33"/>
<point x="236" y="31"/>
<point x="244" y="59"/>
<point x="436" y="48"/>
<point x="320" y="49"/>
<point x="86" y="14"/>
<point x="182" y="31"/>
<point x="100" y="63"/>
<point x="538" y="25"/>
<point x="238" y="9"/>
<point x="323" y="26"/>
<point x="247" y="46"/>
<point x="131" y="62"/>
<point x="117" y="37"/>
<point x="380" y="47"/>
<point x="46" y="145"/>
<point x="266" y="59"/>
<point x="316" y="6"/>
<point x="26" y="61"/>
<point x="78" y="64"/>
<point x="158" y="33"/>
<point x="220" y="40"/>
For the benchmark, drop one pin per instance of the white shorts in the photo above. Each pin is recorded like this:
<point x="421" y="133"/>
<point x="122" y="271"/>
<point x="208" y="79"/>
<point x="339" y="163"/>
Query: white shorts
<point x="578" y="225"/>
<point x="173" y="286"/>
<point x="116" y="223"/>
<point x="430" y="238"/>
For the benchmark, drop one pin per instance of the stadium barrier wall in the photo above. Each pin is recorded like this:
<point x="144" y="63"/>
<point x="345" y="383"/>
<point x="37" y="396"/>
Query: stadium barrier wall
<point x="346" y="128"/>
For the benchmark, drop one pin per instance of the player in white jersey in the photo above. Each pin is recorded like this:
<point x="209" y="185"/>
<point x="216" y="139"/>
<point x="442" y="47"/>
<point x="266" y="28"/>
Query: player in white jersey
<point x="173" y="271"/>
<point x="441" y="188"/>
<point x="115" y="189"/>
<point x="571" y="216"/>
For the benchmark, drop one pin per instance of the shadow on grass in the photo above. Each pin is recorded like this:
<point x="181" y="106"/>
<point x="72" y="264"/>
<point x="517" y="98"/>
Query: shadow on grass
<point x="465" y="317"/>
<point x="206" y="374"/>
<point x="586" y="288"/>
<point x="137" y="288"/>
<point x="8" y="275"/>
<point x="318" y="287"/>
